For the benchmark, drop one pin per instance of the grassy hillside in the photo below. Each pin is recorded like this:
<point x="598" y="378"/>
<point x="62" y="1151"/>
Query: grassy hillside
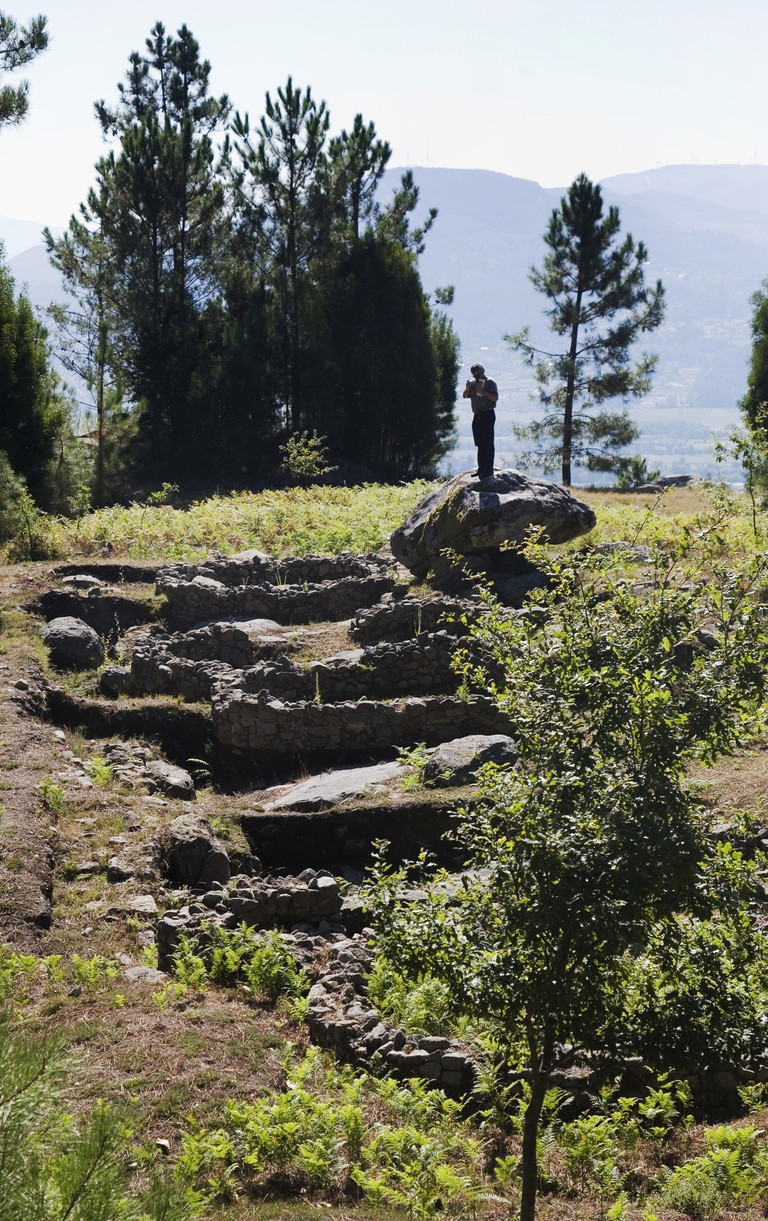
<point x="209" y="1073"/>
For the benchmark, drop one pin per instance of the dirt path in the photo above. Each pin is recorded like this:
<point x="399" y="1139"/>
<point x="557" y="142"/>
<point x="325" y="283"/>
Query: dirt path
<point x="30" y="752"/>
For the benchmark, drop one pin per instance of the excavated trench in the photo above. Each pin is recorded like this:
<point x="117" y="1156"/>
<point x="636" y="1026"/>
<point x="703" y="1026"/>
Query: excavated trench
<point x="342" y="839"/>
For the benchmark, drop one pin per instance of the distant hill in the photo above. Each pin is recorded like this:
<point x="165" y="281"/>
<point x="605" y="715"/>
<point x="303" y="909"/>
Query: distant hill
<point x="706" y="229"/>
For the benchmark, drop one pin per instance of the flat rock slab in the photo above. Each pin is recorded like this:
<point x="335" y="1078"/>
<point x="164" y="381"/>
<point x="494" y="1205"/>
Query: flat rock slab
<point x="253" y="627"/>
<point x="470" y="515"/>
<point x="331" y="789"/>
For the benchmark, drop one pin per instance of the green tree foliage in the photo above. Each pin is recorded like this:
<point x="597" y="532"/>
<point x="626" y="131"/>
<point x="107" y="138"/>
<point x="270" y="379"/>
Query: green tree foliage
<point x="283" y="189"/>
<point x="55" y="1166"/>
<point x="34" y="416"/>
<point x="204" y="281"/>
<point x="85" y="329"/>
<point x="18" y="45"/>
<point x="388" y="392"/>
<point x="606" y="919"/>
<point x="600" y="304"/>
<point x="361" y="355"/>
<point x="158" y="208"/>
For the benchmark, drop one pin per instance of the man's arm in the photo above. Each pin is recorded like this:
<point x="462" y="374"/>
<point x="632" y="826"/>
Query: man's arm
<point x="491" y="395"/>
<point x="467" y="393"/>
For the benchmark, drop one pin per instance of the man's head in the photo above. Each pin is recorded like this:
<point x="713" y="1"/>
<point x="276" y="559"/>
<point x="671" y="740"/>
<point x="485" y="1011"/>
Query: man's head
<point x="477" y="370"/>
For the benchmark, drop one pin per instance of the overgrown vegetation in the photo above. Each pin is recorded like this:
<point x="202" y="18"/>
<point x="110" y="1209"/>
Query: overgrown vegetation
<point x="603" y="919"/>
<point x="297" y="521"/>
<point x="60" y="1166"/>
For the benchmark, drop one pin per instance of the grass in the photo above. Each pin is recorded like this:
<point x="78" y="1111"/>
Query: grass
<point x="297" y="521"/>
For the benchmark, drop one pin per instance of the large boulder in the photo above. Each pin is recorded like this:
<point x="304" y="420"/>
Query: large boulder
<point x="72" y="644"/>
<point x="477" y="516"/>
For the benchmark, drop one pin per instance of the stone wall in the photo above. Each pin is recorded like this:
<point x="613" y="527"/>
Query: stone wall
<point x="399" y="618"/>
<point x="264" y="730"/>
<point x="255" y="568"/>
<point x="339" y="1015"/>
<point x="168" y="665"/>
<point x="238" y="642"/>
<point x="194" y="602"/>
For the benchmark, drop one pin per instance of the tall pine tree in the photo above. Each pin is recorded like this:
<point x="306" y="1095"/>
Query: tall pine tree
<point x="282" y="184"/>
<point x="599" y="304"/>
<point x="158" y="206"/>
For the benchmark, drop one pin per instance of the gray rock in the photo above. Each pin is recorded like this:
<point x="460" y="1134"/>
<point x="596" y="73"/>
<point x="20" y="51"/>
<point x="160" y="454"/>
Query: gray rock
<point x="72" y="644"/>
<point x="324" y="792"/>
<point x="145" y="975"/>
<point x="171" y="780"/>
<point x="118" y="870"/>
<point x="468" y="515"/>
<point x="191" y="853"/>
<point x="143" y="905"/>
<point x="115" y="680"/>
<point x="459" y="761"/>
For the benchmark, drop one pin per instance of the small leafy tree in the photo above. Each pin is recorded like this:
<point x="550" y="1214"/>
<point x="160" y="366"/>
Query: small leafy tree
<point x="604" y="905"/>
<point x="600" y="304"/>
<point x="304" y="457"/>
<point x="750" y="447"/>
<point x="634" y="470"/>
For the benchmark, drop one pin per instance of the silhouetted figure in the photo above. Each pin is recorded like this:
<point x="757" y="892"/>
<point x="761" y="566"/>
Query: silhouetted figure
<point x="483" y="393"/>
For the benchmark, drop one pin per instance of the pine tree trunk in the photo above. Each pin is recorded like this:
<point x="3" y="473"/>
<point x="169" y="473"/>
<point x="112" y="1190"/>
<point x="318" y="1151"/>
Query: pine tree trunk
<point x="569" y="393"/>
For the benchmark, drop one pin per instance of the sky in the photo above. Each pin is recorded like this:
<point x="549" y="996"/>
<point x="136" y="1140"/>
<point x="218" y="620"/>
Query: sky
<point x="543" y="90"/>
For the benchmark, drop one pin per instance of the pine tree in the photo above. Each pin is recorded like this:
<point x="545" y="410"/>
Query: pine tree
<point x="282" y="183"/>
<point x="388" y="393"/>
<point x="18" y="45"/>
<point x="357" y="161"/>
<point x="85" y="346"/>
<point x="158" y="207"/>
<point x="600" y="304"/>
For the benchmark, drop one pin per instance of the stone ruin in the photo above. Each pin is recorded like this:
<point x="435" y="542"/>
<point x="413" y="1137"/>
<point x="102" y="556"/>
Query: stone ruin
<point x="223" y="639"/>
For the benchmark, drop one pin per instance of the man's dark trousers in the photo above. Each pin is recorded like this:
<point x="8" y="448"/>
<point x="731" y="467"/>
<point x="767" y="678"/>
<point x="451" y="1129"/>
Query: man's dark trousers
<point x="483" y="423"/>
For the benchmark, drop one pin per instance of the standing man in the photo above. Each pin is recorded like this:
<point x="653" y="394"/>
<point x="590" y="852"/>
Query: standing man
<point x="484" y="394"/>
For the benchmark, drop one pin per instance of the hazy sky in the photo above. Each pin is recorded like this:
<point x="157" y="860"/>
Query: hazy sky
<point x="544" y="89"/>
